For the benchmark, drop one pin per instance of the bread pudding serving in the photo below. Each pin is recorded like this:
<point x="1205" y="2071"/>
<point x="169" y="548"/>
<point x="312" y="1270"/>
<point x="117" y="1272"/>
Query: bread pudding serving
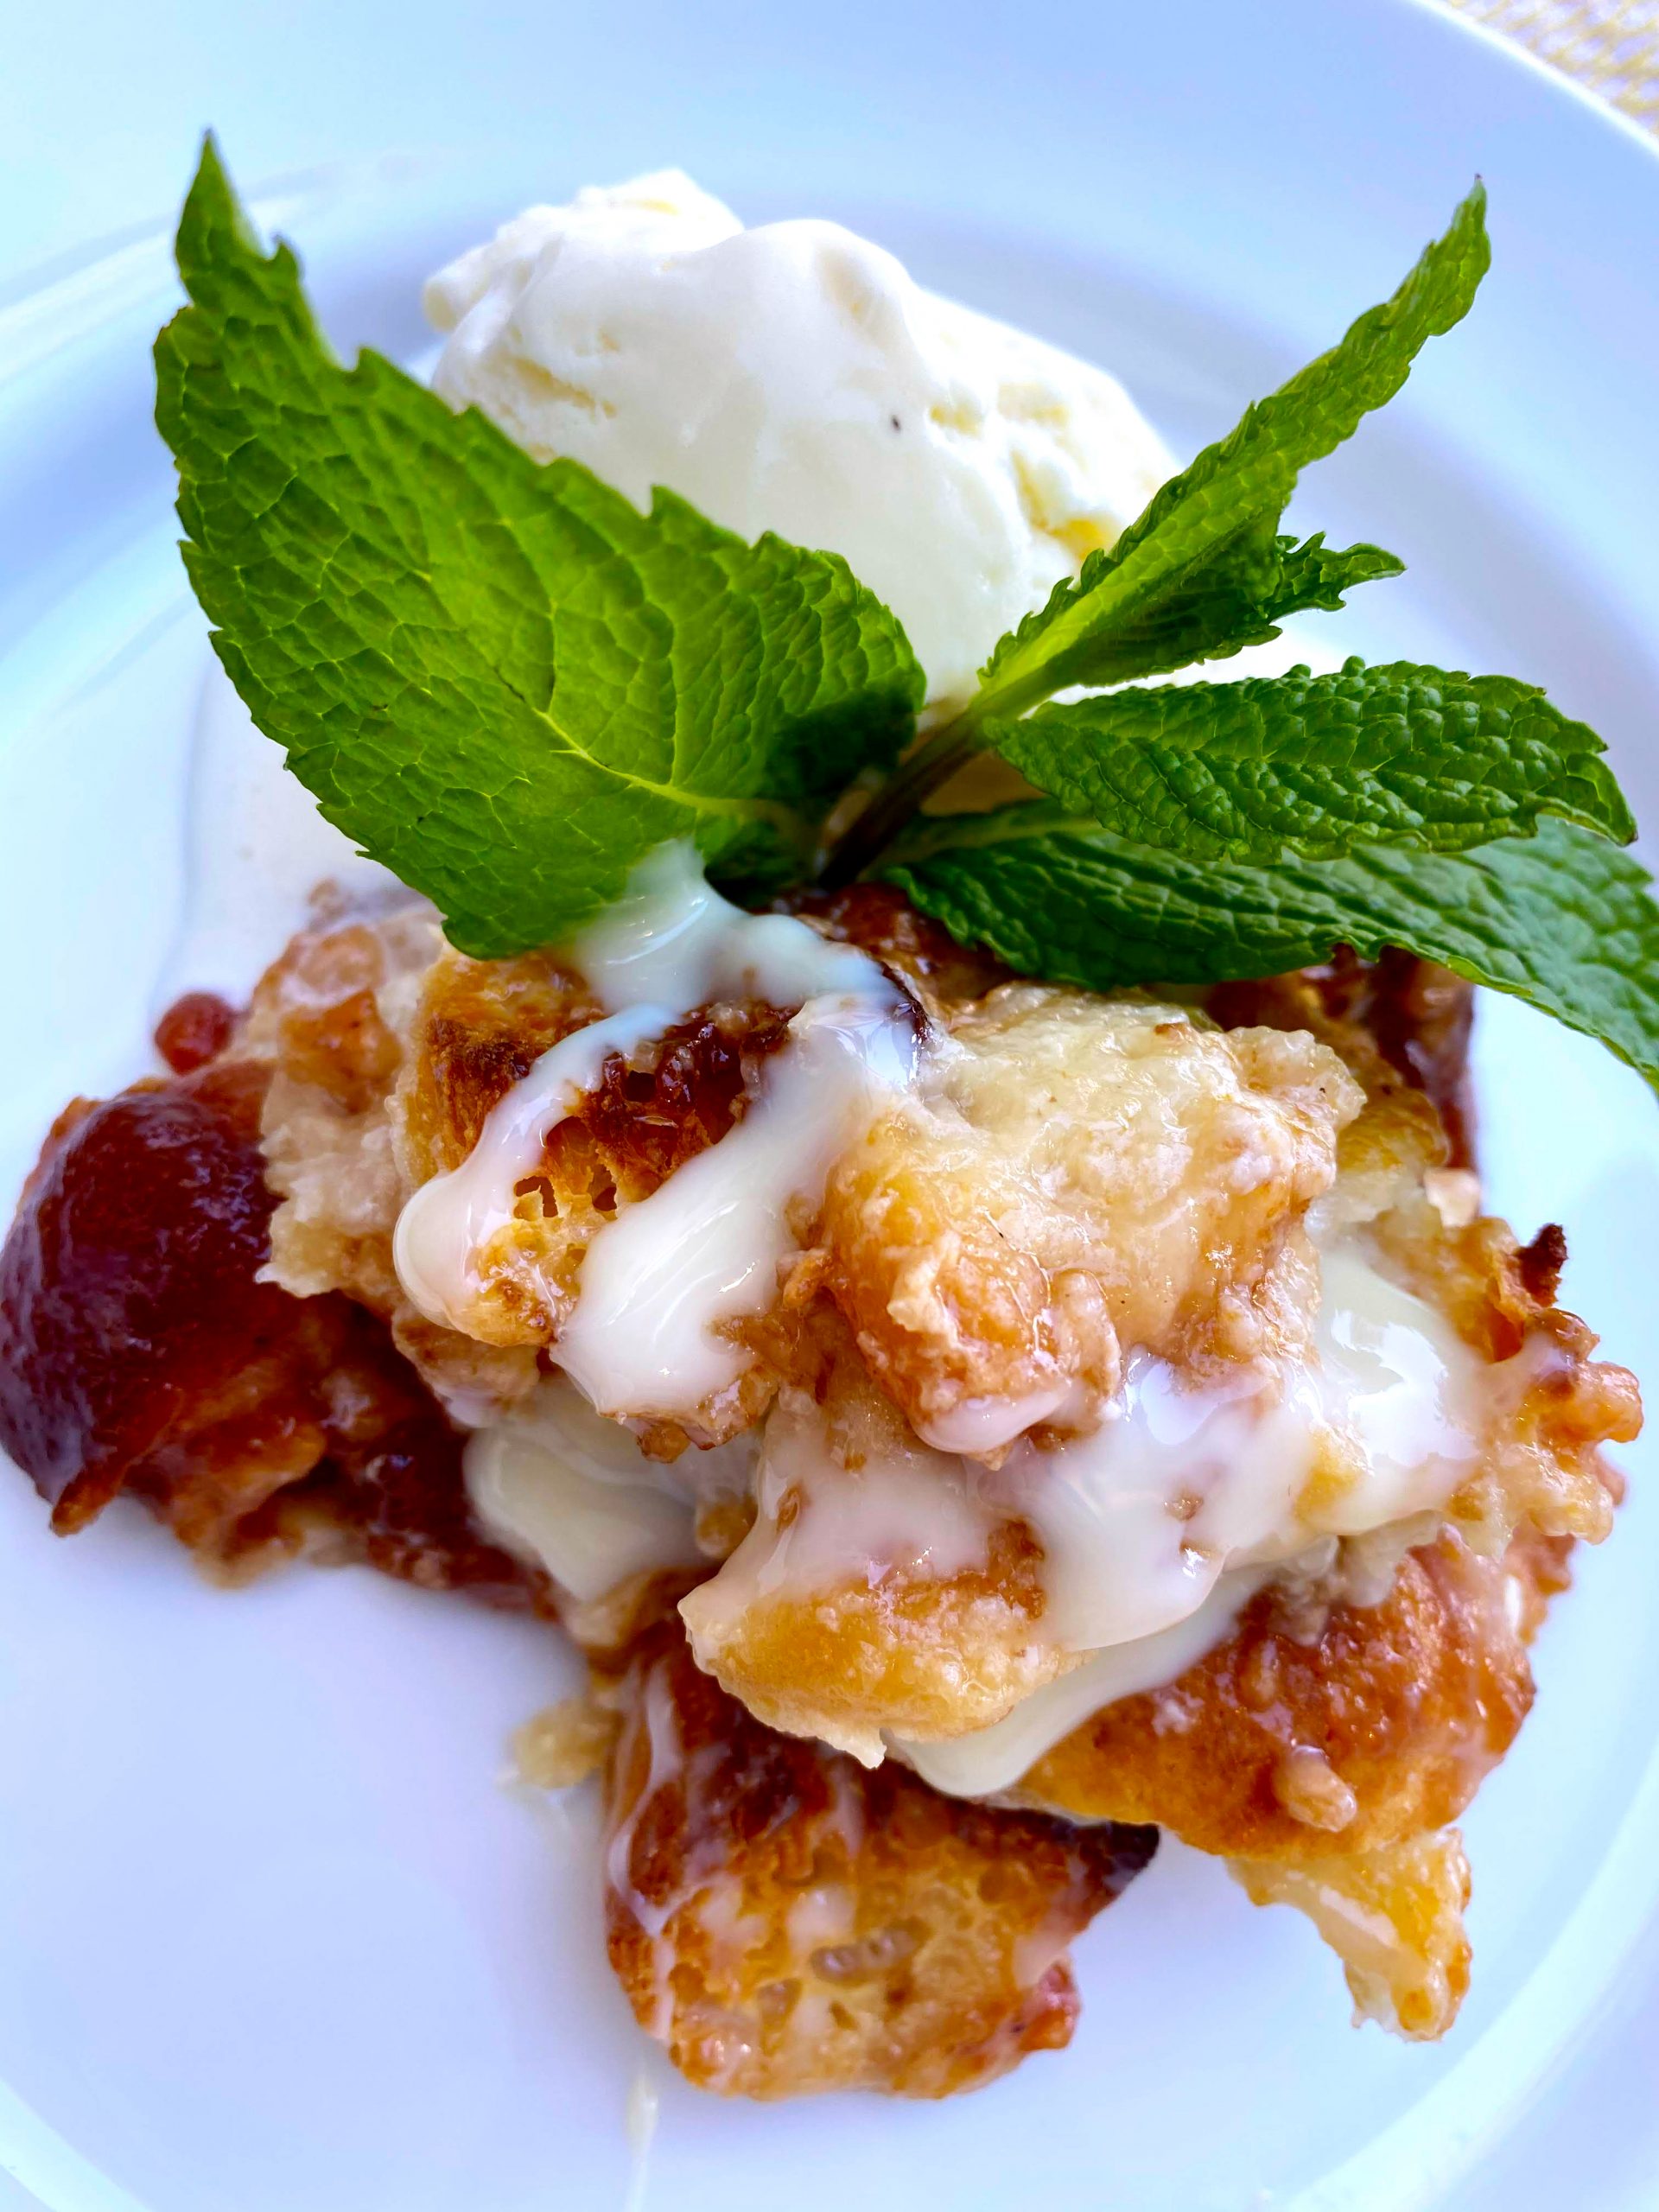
<point x="905" y="1182"/>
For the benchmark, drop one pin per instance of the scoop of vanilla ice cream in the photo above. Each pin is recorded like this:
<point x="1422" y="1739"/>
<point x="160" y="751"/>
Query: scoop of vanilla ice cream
<point x="793" y="377"/>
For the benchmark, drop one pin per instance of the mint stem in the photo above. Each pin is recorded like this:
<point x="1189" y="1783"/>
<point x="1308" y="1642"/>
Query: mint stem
<point x="933" y="763"/>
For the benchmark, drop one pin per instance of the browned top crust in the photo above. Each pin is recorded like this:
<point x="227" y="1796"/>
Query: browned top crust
<point x="1419" y="1017"/>
<point x="1079" y="1179"/>
<point x="783" y="1919"/>
<point x="1300" y="1736"/>
<point x="786" y="1923"/>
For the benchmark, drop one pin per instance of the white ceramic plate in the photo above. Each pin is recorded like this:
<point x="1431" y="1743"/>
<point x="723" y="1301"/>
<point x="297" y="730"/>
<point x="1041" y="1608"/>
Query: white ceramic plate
<point x="270" y="1933"/>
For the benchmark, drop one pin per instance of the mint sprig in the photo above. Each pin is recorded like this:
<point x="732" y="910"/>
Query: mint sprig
<point x="1564" y="920"/>
<point x="1317" y="764"/>
<point x="509" y="685"/>
<point x="499" y="678"/>
<point x="1204" y="570"/>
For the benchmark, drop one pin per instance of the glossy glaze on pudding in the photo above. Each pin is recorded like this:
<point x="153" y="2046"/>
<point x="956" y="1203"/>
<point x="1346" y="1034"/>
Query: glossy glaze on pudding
<point x="1098" y="1415"/>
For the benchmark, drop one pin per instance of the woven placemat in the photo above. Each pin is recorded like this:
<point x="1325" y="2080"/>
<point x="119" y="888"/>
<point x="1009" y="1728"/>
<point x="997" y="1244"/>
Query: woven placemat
<point x="1609" y="45"/>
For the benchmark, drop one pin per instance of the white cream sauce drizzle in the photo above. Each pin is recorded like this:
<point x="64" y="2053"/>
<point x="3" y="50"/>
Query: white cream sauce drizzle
<point x="661" y="1284"/>
<point x="1175" y="1497"/>
<point x="1158" y="1527"/>
<point x="672" y="942"/>
<point x="1397" y="1377"/>
<point x="1142" y="1518"/>
<point x="1392" y="1378"/>
<point x="561" y="1485"/>
<point x="1138" y="1519"/>
<point x="1144" y="1589"/>
<point x="644" y="2106"/>
<point x="993" y="1758"/>
<point x="979" y="1426"/>
<point x="904" y="1507"/>
<point x="706" y="1249"/>
<point x="450" y="1218"/>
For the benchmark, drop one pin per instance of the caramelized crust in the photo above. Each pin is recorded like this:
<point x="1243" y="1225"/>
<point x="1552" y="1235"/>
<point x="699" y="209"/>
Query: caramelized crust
<point x="1297" y="1737"/>
<point x="879" y="919"/>
<point x="389" y="1490"/>
<point x="786" y="1923"/>
<point x="130" y="1314"/>
<point x="388" y="1052"/>
<point x="479" y="1027"/>
<point x="1546" y="1470"/>
<point x="195" y="1029"/>
<point x="140" y="1351"/>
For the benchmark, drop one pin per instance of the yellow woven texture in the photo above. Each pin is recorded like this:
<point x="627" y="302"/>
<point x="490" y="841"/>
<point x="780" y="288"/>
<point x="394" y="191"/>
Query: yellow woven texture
<point x="1612" y="46"/>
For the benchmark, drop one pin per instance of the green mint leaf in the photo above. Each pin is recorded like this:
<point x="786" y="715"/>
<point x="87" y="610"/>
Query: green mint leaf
<point x="500" y="678"/>
<point x="1232" y="600"/>
<point x="1564" y="920"/>
<point x="1315" y="575"/>
<point x="1212" y="530"/>
<point x="1318" y="764"/>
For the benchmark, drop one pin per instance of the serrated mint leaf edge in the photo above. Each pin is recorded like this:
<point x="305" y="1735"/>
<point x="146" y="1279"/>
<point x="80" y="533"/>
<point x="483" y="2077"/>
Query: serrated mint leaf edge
<point x="228" y="273"/>
<point x="1437" y="291"/>
<point x="1394" y="753"/>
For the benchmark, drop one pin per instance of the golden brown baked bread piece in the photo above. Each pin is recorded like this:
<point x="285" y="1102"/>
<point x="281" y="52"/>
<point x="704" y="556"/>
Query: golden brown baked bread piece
<point x="480" y="1027"/>
<point x="1327" y="1751"/>
<point x="1033" y="1294"/>
<point x="785" y="1922"/>
<point x="1544" y="1467"/>
<point x="131" y="1322"/>
<point x="1325" y="1756"/>
<point x="1075" y="1177"/>
<point x="840" y="1619"/>
<point x="333" y="1019"/>
<point x="388" y="1052"/>
<point x="783" y="1919"/>
<point x="821" y="1630"/>
<point x="1341" y="1727"/>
